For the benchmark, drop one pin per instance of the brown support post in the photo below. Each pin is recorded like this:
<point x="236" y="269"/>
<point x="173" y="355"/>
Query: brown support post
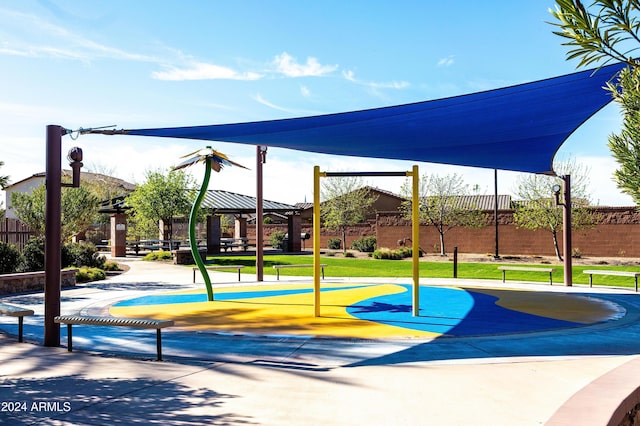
<point x="118" y="235"/>
<point x="294" y="229"/>
<point x="52" y="250"/>
<point x="214" y="232"/>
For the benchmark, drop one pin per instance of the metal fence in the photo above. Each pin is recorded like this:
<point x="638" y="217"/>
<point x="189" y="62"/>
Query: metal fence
<point x="14" y="232"/>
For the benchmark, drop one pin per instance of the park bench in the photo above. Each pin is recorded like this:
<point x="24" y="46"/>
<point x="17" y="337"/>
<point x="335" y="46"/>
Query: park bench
<point x="504" y="269"/>
<point x="70" y="320"/>
<point x="220" y="268"/>
<point x="230" y="243"/>
<point x="16" y="311"/>
<point x="592" y="272"/>
<point x="278" y="267"/>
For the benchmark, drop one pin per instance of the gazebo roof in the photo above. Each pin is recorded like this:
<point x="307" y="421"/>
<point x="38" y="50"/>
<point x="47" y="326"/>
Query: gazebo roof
<point x="226" y="202"/>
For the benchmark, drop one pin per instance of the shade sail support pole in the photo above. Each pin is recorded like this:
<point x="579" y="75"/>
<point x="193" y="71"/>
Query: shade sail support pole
<point x="53" y="233"/>
<point x="316" y="240"/>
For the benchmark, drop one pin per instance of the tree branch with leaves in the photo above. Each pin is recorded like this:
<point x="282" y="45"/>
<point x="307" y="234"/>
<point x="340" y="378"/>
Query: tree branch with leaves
<point x="441" y="205"/>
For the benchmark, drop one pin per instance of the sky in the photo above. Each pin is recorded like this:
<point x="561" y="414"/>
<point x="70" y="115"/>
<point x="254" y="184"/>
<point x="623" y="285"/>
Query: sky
<point x="160" y="63"/>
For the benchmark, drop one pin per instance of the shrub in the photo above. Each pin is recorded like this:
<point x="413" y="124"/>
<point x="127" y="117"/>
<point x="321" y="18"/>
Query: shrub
<point x="276" y="239"/>
<point x="334" y="243"/>
<point x="401" y="253"/>
<point x="86" y="274"/>
<point x="9" y="258"/>
<point x="158" y="255"/>
<point x="33" y="255"/>
<point x="110" y="265"/>
<point x="349" y="254"/>
<point x="386" y="253"/>
<point x="82" y="254"/>
<point x="365" y="244"/>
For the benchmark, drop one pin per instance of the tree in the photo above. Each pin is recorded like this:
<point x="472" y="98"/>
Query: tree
<point x="609" y="30"/>
<point x="538" y="209"/>
<point x="346" y="202"/>
<point x="4" y="180"/>
<point x="162" y="196"/>
<point x="625" y="146"/>
<point x="79" y="208"/>
<point x="441" y="205"/>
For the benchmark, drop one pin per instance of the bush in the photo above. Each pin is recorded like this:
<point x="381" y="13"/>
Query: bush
<point x="276" y="239"/>
<point x="401" y="253"/>
<point x="365" y="244"/>
<point x="86" y="274"/>
<point x="386" y="253"/>
<point x="33" y="255"/>
<point x="9" y="258"/>
<point x="81" y="254"/>
<point x="158" y="255"/>
<point x="349" y="254"/>
<point x="334" y="243"/>
<point x="110" y="265"/>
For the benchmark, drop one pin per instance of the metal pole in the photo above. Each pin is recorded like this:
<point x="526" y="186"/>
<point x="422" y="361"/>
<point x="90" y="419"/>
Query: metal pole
<point x="316" y="240"/>
<point x="415" y="240"/>
<point x="52" y="250"/>
<point x="495" y="208"/>
<point x="259" y="214"/>
<point x="566" y="232"/>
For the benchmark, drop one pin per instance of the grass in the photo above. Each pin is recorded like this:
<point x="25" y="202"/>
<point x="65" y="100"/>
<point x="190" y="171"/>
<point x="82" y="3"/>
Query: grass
<point x="350" y="267"/>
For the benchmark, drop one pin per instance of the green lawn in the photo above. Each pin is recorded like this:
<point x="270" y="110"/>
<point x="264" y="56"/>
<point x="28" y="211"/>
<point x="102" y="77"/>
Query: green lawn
<point x="351" y="267"/>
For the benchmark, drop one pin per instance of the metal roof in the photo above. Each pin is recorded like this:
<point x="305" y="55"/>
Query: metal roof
<point x="230" y="202"/>
<point x="483" y="202"/>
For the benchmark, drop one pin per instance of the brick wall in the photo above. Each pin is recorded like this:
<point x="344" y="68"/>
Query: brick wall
<point x="33" y="281"/>
<point x="617" y="234"/>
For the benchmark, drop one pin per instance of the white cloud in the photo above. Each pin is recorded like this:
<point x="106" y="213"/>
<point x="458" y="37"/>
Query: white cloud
<point x="287" y="65"/>
<point x="203" y="71"/>
<point x="398" y="85"/>
<point x="446" y="62"/>
<point x="304" y="91"/>
<point x="30" y="36"/>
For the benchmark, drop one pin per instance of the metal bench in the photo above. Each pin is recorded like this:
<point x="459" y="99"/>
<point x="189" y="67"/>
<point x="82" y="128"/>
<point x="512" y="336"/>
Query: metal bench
<point x="16" y="311"/>
<point x="592" y="272"/>
<point x="278" y="267"/>
<point x="70" y="320"/>
<point x="504" y="269"/>
<point x="220" y="268"/>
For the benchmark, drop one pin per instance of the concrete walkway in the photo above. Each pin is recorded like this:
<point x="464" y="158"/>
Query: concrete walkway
<point x="212" y="378"/>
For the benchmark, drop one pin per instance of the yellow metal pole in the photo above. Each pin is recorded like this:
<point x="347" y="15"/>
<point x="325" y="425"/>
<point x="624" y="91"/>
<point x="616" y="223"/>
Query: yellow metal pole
<point x="415" y="240"/>
<point x="316" y="241"/>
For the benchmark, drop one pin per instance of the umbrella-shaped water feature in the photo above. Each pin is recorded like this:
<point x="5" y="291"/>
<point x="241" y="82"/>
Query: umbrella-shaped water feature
<point x="213" y="160"/>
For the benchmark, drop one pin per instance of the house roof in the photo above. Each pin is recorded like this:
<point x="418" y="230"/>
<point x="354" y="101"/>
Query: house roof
<point x="84" y="177"/>
<point x="484" y="202"/>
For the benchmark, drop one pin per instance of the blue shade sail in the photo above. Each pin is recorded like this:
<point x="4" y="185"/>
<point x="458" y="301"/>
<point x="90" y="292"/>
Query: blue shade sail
<point x="517" y="128"/>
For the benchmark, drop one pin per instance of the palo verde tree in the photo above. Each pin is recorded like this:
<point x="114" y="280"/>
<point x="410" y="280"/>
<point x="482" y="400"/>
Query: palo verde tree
<point x="79" y="207"/>
<point x="601" y="32"/>
<point x="442" y="205"/>
<point x="538" y="210"/>
<point x="345" y="202"/>
<point x="161" y="197"/>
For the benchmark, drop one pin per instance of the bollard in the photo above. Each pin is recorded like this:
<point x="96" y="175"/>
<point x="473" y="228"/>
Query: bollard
<point x="455" y="262"/>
